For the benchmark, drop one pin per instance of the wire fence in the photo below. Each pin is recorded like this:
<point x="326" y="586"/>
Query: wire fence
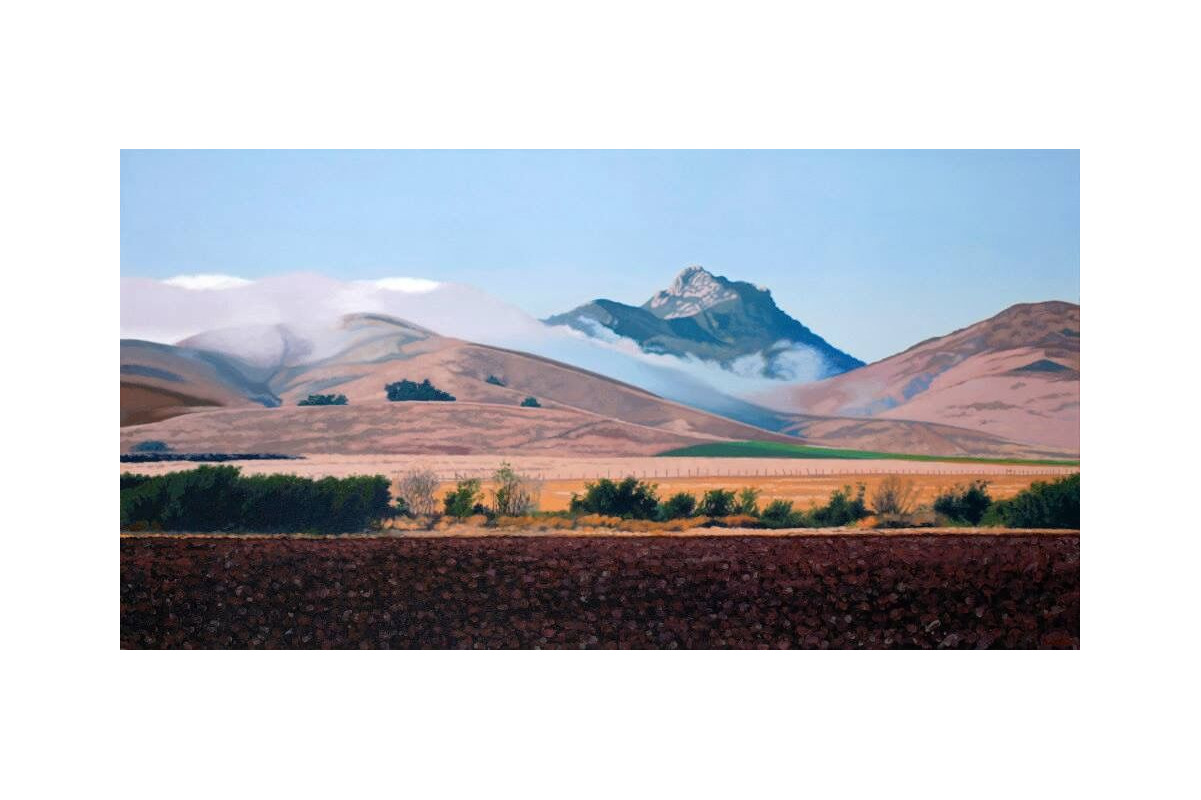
<point x="701" y="473"/>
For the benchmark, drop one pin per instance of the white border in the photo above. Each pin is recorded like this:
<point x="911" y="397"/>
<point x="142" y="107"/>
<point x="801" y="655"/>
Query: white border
<point x="89" y="80"/>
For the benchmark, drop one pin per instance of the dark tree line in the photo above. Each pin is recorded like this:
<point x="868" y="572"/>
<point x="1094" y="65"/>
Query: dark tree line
<point x="222" y="499"/>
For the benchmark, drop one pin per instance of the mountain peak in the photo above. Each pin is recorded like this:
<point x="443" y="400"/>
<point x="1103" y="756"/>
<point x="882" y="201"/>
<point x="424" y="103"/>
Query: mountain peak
<point x="689" y="274"/>
<point x="694" y="290"/>
<point x="712" y="318"/>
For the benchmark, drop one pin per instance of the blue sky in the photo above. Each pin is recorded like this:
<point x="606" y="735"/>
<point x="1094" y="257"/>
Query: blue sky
<point x="874" y="250"/>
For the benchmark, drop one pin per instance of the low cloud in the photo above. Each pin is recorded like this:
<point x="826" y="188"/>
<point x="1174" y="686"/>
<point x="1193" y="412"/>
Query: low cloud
<point x="408" y="285"/>
<point x="207" y="282"/>
<point x="285" y="316"/>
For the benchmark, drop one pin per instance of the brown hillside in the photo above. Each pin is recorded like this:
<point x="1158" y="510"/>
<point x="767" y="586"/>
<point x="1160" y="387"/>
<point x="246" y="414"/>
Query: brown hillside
<point x="1015" y="375"/>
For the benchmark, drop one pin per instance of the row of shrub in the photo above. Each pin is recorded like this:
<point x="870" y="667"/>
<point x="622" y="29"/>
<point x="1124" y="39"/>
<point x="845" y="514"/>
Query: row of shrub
<point x="512" y="494"/>
<point x="1053" y="504"/>
<point x="1044" y="505"/>
<point x="631" y="498"/>
<point x="210" y="499"/>
<point x="221" y="499"/>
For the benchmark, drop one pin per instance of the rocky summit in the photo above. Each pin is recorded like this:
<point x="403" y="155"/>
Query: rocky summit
<point x="707" y="316"/>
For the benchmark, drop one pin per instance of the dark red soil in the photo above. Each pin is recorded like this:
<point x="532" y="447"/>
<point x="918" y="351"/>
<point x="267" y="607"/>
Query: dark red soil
<point x="1008" y="591"/>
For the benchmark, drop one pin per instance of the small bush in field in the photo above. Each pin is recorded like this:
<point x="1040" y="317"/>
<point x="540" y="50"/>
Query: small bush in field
<point x="150" y="446"/>
<point x="843" y="508"/>
<point x="417" y="492"/>
<point x="964" y="503"/>
<point x="495" y="381"/>
<point x="531" y="402"/>
<point x="629" y="498"/>
<point x="894" y="496"/>
<point x="717" y="503"/>
<point x="515" y="494"/>
<point x="779" y="514"/>
<point x="748" y="501"/>
<point x="465" y="499"/>
<point x="679" y="506"/>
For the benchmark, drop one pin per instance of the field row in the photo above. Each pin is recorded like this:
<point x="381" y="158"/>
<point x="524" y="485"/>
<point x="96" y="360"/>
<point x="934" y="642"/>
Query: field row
<point x="1006" y="591"/>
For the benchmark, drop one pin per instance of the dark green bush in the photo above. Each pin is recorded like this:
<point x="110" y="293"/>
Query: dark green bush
<point x="630" y="499"/>
<point x="748" y="501"/>
<point x="409" y="390"/>
<point x="717" y="503"/>
<point x="132" y="481"/>
<point x="679" y="506"/>
<point x="779" y="514"/>
<point x="843" y="509"/>
<point x="220" y="499"/>
<point x="150" y="446"/>
<point x="324" y="400"/>
<point x="1043" y="505"/>
<point x="964" y="503"/>
<point x="531" y="402"/>
<point x="465" y="499"/>
<point x="495" y="381"/>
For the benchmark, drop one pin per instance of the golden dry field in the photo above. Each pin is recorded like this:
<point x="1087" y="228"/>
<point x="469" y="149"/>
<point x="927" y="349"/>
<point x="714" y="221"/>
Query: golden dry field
<point x="803" y="489"/>
<point x="803" y="481"/>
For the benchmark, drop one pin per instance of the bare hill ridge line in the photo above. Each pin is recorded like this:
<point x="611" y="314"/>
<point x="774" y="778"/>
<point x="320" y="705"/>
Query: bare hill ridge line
<point x="583" y="412"/>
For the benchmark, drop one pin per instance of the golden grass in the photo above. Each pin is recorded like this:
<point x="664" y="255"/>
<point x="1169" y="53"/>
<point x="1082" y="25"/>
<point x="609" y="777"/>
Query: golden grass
<point x="802" y="490"/>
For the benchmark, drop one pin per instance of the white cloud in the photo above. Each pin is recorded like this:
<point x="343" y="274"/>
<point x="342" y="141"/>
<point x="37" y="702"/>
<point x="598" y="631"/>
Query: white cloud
<point x="790" y="362"/>
<point x="311" y="307"/>
<point x="203" y="282"/>
<point x="407" y="285"/>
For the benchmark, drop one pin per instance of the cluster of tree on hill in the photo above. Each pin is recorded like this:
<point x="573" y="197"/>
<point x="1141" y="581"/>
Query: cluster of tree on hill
<point x="411" y="390"/>
<point x="324" y="400"/>
<point x="426" y="391"/>
<point x="150" y="446"/>
<point x="222" y="499"/>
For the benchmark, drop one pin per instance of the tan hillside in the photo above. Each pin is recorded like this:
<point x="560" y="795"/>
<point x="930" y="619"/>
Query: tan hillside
<point x="1015" y="375"/>
<point x="247" y="372"/>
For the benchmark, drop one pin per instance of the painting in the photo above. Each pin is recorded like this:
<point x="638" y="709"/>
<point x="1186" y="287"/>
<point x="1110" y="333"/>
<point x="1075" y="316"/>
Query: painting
<point x="584" y="399"/>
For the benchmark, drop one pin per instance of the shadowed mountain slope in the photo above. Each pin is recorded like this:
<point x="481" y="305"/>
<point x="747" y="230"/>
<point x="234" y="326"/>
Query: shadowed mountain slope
<point x="712" y="318"/>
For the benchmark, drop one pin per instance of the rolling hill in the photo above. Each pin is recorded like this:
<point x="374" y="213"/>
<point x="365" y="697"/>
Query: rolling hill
<point x="229" y="393"/>
<point x="159" y="381"/>
<point x="1015" y="375"/>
